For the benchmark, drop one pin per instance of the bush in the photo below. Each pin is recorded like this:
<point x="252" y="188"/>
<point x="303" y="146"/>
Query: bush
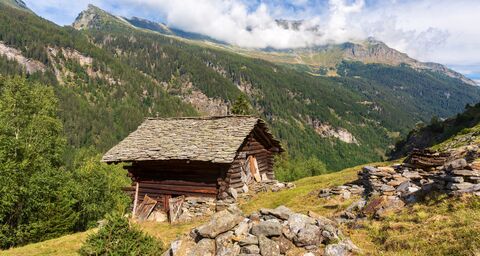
<point x="97" y="188"/>
<point x="288" y="169"/>
<point x="119" y="237"/>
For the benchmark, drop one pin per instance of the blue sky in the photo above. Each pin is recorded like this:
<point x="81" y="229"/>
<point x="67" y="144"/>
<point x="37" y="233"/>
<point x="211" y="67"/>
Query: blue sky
<point x="442" y="31"/>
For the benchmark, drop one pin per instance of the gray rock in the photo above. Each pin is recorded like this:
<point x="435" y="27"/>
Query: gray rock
<point x="205" y="247"/>
<point x="357" y="206"/>
<point x="387" y="188"/>
<point x="456" y="164"/>
<point x="309" y="235"/>
<point x="233" y="192"/>
<point x="267" y="228"/>
<point x="245" y="188"/>
<point x="268" y="247"/>
<point x="341" y="249"/>
<point x="471" y="189"/>
<point x="280" y="212"/>
<point x="298" y="221"/>
<point x="284" y="243"/>
<point x="181" y="247"/>
<point x="459" y="186"/>
<point x="220" y="222"/>
<point x="255" y="216"/>
<point x="454" y="179"/>
<point x="242" y="228"/>
<point x="465" y="173"/>
<point x="250" y="249"/>
<point x="248" y="240"/>
<point x="369" y="169"/>
<point x="225" y="245"/>
<point x="335" y="250"/>
<point x="414" y="175"/>
<point x="403" y="186"/>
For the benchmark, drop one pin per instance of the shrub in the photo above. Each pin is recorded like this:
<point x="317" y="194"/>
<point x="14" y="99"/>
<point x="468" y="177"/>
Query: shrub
<point x="288" y="169"/>
<point x="119" y="237"/>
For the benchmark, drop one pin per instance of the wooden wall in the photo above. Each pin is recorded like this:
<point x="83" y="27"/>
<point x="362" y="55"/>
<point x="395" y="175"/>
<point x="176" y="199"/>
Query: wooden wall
<point x="161" y="180"/>
<point x="253" y="145"/>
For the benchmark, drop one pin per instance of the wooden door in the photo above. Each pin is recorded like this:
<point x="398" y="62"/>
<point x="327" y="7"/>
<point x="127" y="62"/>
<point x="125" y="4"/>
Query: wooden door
<point x="175" y="208"/>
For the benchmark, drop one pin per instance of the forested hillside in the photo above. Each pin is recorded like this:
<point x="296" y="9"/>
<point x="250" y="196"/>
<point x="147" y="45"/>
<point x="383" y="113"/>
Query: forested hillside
<point x="110" y="75"/>
<point x="439" y="131"/>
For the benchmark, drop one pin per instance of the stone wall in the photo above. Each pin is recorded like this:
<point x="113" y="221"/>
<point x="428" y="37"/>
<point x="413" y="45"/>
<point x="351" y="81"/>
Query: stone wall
<point x="196" y="207"/>
<point x="269" y="232"/>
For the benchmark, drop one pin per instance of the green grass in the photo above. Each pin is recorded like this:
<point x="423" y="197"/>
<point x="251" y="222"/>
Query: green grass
<point x="439" y="225"/>
<point x="62" y="246"/>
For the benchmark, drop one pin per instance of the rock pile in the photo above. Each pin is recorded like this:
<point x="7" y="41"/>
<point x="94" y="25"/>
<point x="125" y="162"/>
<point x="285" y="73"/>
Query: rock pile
<point x="270" y="185"/>
<point x="390" y="187"/>
<point x="269" y="232"/>
<point x="194" y="207"/>
<point x="345" y="191"/>
<point x="422" y="172"/>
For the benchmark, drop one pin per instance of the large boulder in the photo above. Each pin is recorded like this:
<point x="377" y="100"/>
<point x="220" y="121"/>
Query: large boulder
<point x="219" y="223"/>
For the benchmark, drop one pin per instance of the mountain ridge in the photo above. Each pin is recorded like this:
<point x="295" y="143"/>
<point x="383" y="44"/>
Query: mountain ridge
<point x="366" y="51"/>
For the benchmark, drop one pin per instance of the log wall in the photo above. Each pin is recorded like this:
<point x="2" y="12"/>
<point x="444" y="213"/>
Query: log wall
<point x="161" y="180"/>
<point x="253" y="145"/>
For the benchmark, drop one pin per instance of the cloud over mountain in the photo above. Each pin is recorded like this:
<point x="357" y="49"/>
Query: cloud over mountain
<point x="442" y="31"/>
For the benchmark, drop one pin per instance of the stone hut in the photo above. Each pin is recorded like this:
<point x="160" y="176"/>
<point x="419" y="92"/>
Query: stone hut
<point x="195" y="157"/>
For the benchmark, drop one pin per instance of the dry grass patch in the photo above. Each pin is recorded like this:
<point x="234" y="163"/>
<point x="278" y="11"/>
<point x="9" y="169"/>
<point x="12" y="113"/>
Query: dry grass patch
<point x="62" y="246"/>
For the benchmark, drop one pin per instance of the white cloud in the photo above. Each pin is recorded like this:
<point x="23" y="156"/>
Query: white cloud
<point x="442" y="31"/>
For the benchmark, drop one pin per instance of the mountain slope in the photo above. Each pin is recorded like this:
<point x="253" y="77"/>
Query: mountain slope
<point x="460" y="129"/>
<point x="101" y="99"/>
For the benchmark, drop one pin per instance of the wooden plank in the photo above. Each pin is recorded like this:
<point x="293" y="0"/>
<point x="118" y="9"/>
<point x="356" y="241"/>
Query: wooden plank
<point x="145" y="208"/>
<point x="179" y="183"/>
<point x="178" y="189"/>
<point x="175" y="207"/>
<point x="135" y="200"/>
<point x="176" y="193"/>
<point x="256" y="172"/>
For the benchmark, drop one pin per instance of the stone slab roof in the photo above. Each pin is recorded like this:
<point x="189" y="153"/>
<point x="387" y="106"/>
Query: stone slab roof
<point x="213" y="139"/>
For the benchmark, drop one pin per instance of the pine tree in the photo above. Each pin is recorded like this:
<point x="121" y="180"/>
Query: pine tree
<point x="241" y="106"/>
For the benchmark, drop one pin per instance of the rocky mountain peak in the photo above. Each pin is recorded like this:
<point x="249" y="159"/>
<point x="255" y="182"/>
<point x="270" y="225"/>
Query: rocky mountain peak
<point x="94" y="17"/>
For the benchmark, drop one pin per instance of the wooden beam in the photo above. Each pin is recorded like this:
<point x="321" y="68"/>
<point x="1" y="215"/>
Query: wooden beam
<point x="135" y="200"/>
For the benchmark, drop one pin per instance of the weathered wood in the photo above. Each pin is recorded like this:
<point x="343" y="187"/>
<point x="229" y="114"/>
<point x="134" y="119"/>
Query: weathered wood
<point x="135" y="200"/>
<point x="145" y="208"/>
<point x="175" y="207"/>
<point x="177" y="183"/>
<point x="168" y="189"/>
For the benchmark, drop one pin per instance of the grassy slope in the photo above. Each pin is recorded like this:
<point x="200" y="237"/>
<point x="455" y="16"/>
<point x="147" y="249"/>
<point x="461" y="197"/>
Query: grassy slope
<point x="437" y="226"/>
